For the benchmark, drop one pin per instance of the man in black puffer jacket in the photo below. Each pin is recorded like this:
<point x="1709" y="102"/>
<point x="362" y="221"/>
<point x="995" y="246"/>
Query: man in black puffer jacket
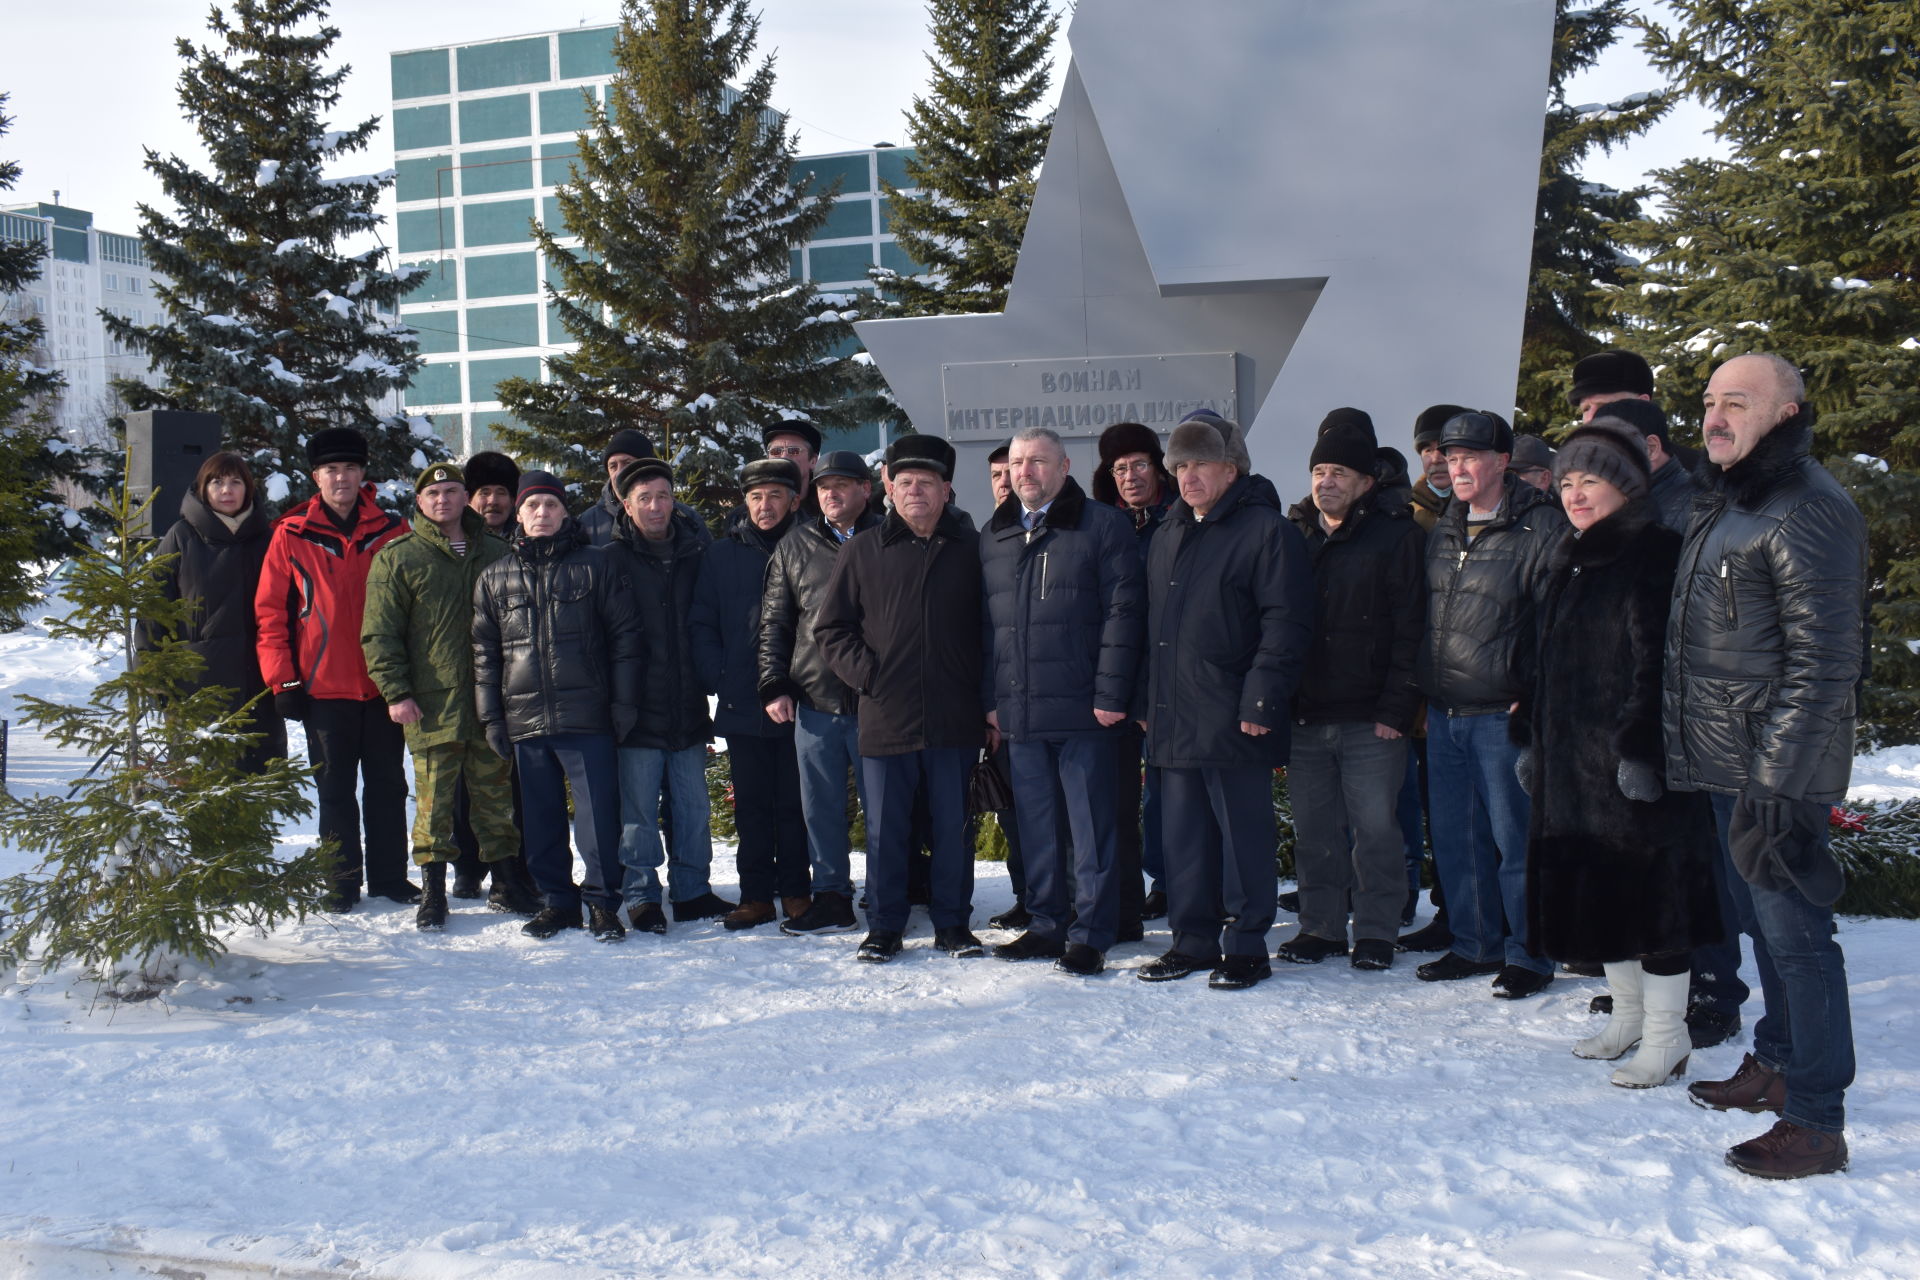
<point x="1486" y="561"/>
<point x="661" y="548"/>
<point x="556" y="667"/>
<point x="725" y="625"/>
<point x="797" y="686"/>
<point x="1356" y="703"/>
<point x="1066" y="613"/>
<point x="1765" y="653"/>
<point x="1229" y="620"/>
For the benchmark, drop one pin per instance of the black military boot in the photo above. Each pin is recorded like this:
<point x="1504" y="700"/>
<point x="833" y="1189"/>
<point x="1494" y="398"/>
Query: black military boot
<point x="468" y="873"/>
<point x="432" y="912"/>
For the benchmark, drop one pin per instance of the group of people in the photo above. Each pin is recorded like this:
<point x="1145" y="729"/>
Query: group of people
<point x="1615" y="692"/>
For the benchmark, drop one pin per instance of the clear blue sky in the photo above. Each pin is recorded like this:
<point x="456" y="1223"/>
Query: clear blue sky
<point x="94" y="81"/>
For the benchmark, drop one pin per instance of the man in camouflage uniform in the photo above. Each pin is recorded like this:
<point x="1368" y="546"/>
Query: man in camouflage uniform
<point x="417" y="634"/>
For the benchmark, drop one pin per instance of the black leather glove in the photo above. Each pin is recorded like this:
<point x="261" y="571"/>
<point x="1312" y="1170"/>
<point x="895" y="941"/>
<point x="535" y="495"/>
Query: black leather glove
<point x="624" y="718"/>
<point x="497" y="739"/>
<point x="1772" y="813"/>
<point x="1639" y="781"/>
<point x="291" y="702"/>
<point x="1523" y="769"/>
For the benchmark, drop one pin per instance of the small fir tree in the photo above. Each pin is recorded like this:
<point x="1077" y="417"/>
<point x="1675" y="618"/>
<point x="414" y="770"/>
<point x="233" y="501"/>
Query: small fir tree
<point x="270" y="321"/>
<point x="978" y="144"/>
<point x="678" y="290"/>
<point x="1805" y="243"/>
<point x="36" y="526"/>
<point x="167" y="842"/>
<point x="1576" y="262"/>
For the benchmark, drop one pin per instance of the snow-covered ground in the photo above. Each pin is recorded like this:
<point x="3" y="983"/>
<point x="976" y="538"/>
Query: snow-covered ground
<point x="351" y="1097"/>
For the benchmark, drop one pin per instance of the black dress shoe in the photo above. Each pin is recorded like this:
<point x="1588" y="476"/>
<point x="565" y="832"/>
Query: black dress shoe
<point x="1155" y="906"/>
<point x="708" y="906"/>
<point x="1237" y="973"/>
<point x="958" y="943"/>
<point x="604" y="924"/>
<point x="1030" y="946"/>
<point x="1515" y="983"/>
<point x="550" y="921"/>
<point x="1129" y="931"/>
<point x="1436" y="936"/>
<point x="1014" y="917"/>
<point x="1290" y="901"/>
<point x="879" y="947"/>
<point x="1309" y="948"/>
<point x="401" y="891"/>
<point x="466" y="880"/>
<point x="1174" y="964"/>
<point x="1080" y="960"/>
<point x="1451" y="967"/>
<point x="1707" y="1027"/>
<point x="647" y="918"/>
<point x="1372" y="953"/>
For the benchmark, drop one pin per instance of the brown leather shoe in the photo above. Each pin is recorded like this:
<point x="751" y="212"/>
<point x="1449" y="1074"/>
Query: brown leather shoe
<point x="1789" y="1150"/>
<point x="793" y="908"/>
<point x="1752" y="1088"/>
<point x="749" y="914"/>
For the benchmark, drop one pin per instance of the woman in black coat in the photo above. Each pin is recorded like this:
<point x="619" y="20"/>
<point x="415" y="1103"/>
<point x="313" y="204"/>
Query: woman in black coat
<point x="220" y="541"/>
<point x="1618" y="869"/>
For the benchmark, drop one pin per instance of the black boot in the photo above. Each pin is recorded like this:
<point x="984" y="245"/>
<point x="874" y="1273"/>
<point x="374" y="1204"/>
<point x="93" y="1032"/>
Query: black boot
<point x="513" y="889"/>
<point x="432" y="912"/>
<point x="468" y="875"/>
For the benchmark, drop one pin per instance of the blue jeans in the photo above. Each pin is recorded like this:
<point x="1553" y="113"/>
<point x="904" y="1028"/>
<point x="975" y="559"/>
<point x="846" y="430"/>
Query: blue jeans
<point x="1479" y="816"/>
<point x="1806" y="1032"/>
<point x="892" y="782"/>
<point x="1343" y="779"/>
<point x="546" y="766"/>
<point x="827" y="746"/>
<point x="690" y="860"/>
<point x="1075" y="775"/>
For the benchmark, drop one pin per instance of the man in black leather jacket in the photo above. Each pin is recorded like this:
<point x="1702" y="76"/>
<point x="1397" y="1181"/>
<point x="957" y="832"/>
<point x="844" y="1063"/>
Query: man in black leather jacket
<point x="797" y="686"/>
<point x="1765" y="646"/>
<point x="556" y="665"/>
<point x="1486" y="559"/>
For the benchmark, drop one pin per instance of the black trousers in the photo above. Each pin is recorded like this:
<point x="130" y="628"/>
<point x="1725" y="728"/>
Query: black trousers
<point x="772" y="854"/>
<point x="353" y="743"/>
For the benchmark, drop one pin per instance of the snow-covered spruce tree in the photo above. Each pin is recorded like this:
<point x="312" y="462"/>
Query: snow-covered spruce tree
<point x="977" y="150"/>
<point x="270" y="321"/>
<point x="1805" y="242"/>
<point x="168" y="842"/>
<point x="1576" y="263"/>
<point x="36" y="527"/>
<point x="678" y="290"/>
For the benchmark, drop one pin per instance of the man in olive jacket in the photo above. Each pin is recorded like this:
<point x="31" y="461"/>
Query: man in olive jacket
<point x="1765" y="646"/>
<point x="900" y="625"/>
<point x="1229" y="620"/>
<point x="417" y="636"/>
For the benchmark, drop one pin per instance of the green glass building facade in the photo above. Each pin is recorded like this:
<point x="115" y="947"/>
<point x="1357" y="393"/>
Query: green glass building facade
<point x="482" y="133"/>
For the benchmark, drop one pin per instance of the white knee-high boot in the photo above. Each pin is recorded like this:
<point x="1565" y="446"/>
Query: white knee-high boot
<point x="1622" y="1031"/>
<point x="1664" y="1042"/>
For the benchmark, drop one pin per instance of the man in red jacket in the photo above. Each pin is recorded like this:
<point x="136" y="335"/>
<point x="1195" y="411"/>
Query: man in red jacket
<point x="313" y="589"/>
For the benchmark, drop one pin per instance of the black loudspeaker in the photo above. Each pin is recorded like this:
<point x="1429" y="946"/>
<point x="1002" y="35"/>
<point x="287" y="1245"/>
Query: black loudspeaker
<point x="165" y="448"/>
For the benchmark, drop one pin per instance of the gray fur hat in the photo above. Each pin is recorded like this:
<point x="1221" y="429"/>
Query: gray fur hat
<point x="1205" y="436"/>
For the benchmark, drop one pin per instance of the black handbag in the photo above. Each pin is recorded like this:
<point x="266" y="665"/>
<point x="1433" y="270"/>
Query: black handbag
<point x="988" y="790"/>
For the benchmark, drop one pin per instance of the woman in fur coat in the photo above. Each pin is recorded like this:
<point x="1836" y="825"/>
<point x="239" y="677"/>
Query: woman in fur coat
<point x="1618" y="867"/>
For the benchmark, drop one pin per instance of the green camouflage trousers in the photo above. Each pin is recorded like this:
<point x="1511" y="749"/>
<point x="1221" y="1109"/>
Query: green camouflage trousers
<point x="489" y="801"/>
